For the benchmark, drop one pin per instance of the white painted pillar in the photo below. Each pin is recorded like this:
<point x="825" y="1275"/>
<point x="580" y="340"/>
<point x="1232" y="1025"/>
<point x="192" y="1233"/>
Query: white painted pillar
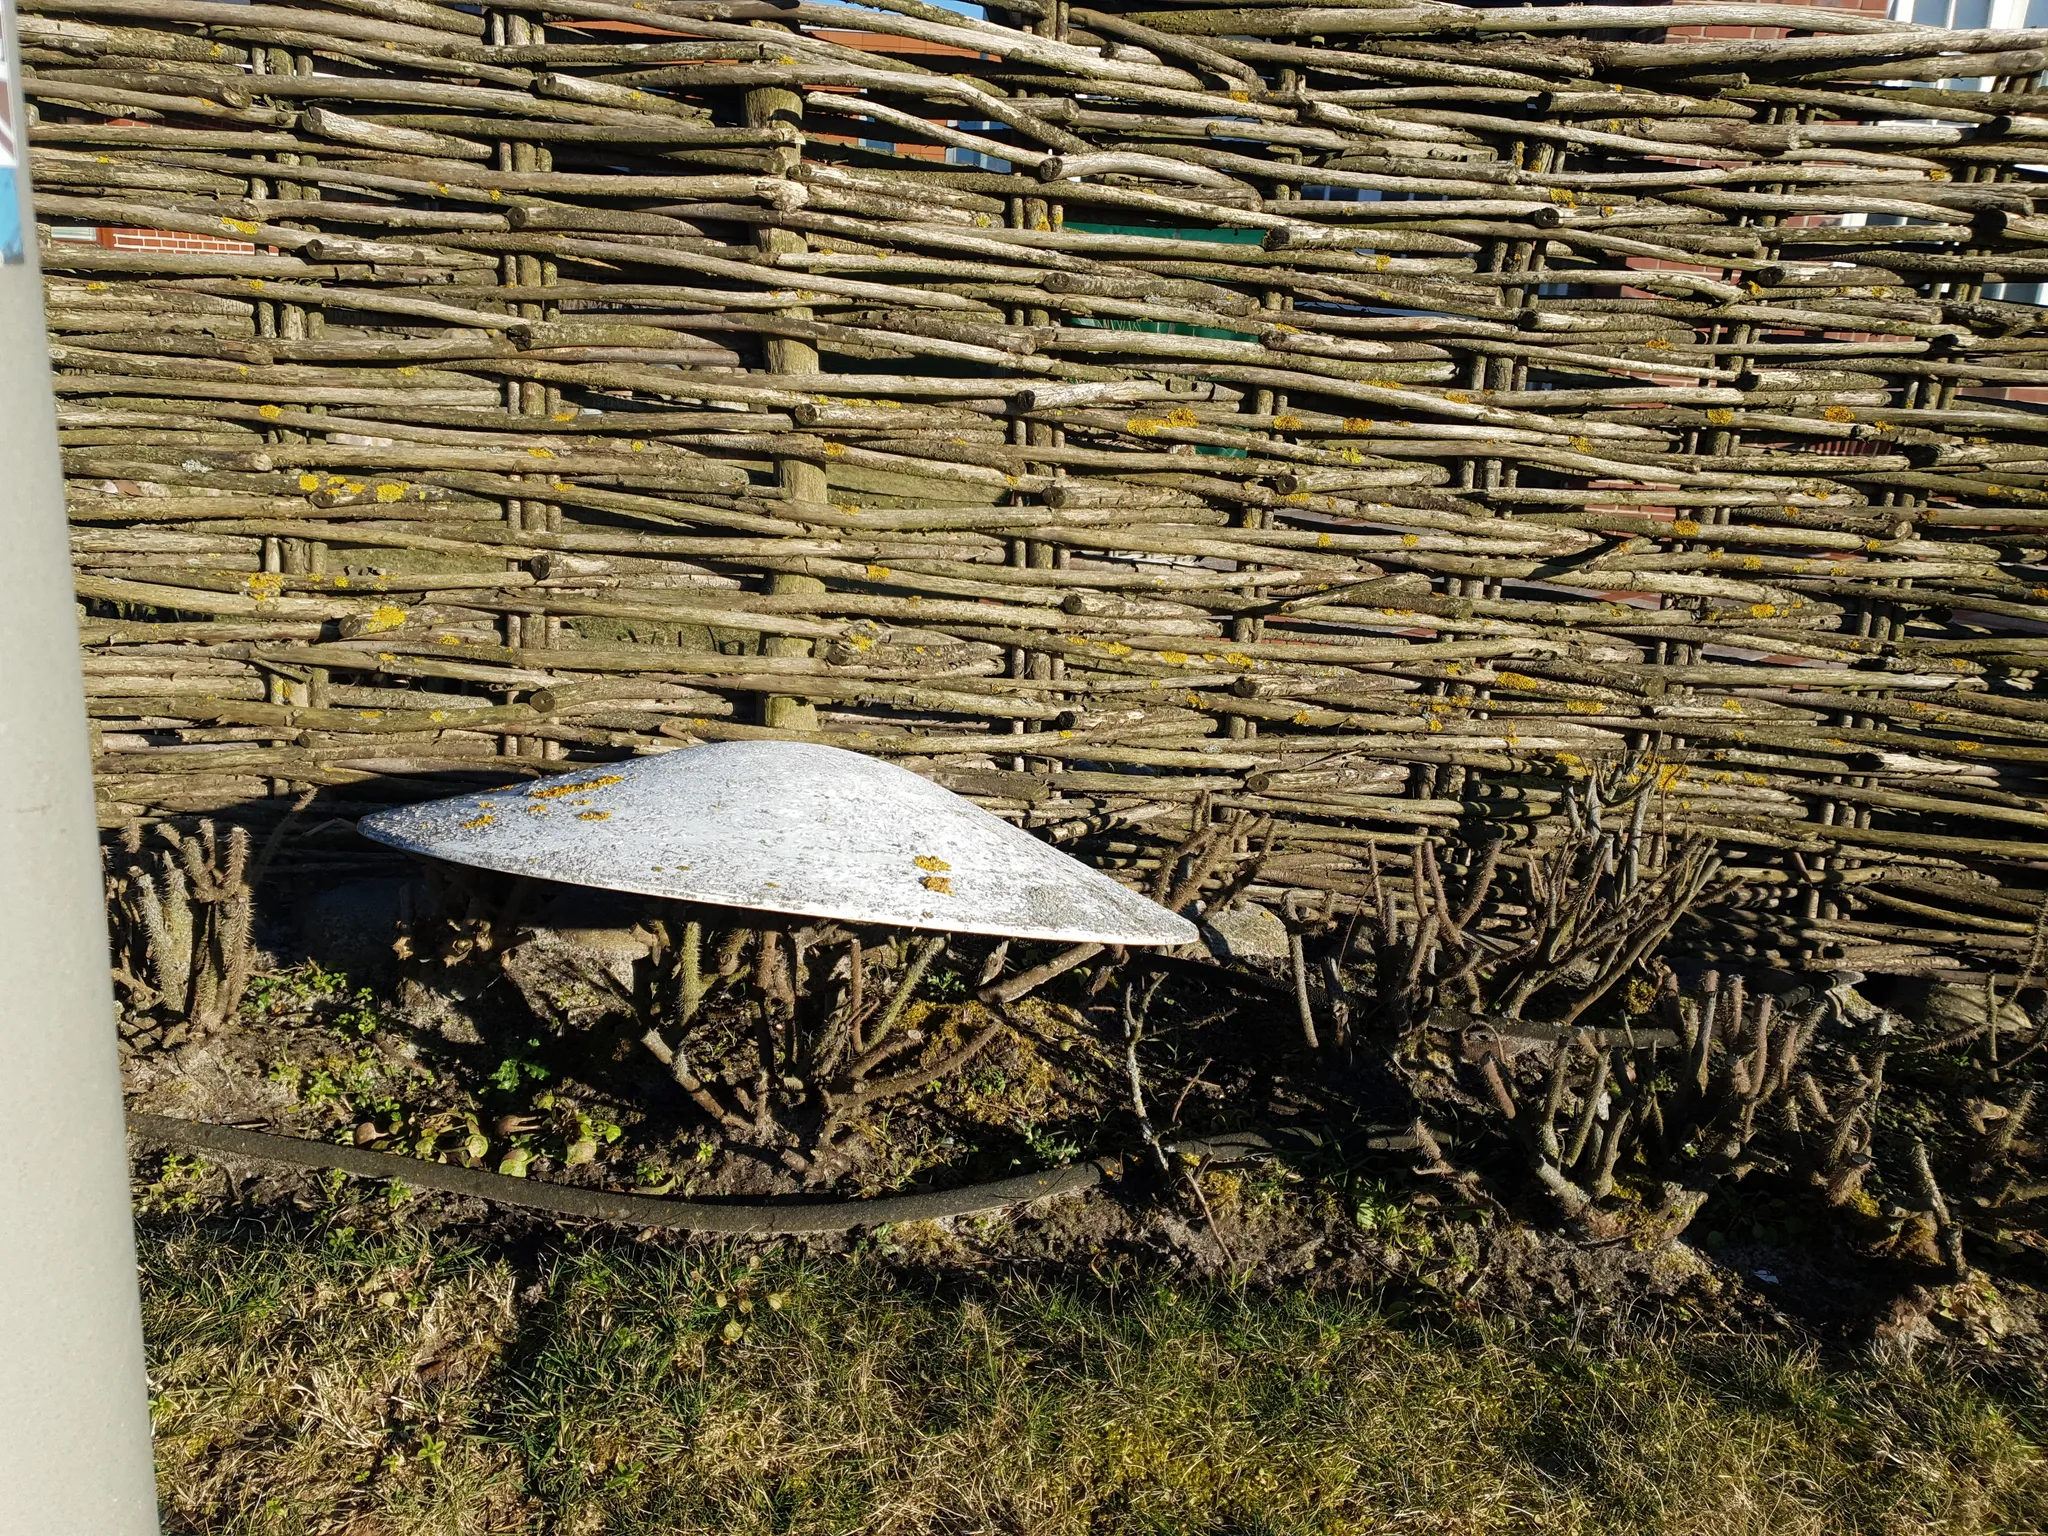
<point x="74" y="1406"/>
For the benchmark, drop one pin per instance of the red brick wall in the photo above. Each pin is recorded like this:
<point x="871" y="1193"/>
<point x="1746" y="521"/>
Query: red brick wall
<point x="1865" y="7"/>
<point x="171" y="240"/>
<point x="152" y="240"/>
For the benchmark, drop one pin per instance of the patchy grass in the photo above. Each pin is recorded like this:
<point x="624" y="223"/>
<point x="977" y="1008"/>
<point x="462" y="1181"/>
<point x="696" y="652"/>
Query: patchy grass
<point x="400" y="1386"/>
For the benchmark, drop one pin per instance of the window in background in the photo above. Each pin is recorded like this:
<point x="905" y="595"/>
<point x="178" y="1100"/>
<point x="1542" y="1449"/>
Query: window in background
<point x="974" y="157"/>
<point x="1968" y="14"/>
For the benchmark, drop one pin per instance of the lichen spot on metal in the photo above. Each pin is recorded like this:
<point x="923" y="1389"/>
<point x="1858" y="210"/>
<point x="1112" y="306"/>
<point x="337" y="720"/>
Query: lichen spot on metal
<point x="556" y="791"/>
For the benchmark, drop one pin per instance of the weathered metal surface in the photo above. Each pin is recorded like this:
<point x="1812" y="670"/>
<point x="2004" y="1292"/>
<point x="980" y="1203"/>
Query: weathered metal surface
<point x="785" y="827"/>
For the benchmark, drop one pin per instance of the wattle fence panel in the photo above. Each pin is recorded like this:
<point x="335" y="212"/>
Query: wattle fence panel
<point x="1250" y="446"/>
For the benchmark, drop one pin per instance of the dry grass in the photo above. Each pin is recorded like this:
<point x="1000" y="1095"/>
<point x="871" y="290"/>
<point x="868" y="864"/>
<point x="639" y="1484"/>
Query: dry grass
<point x="399" y="1385"/>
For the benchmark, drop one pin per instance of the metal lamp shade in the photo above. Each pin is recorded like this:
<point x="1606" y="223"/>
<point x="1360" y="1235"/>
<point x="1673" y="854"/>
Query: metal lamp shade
<point x="785" y="827"/>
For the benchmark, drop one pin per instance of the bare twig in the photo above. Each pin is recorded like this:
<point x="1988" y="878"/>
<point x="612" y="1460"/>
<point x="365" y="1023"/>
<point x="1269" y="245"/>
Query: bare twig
<point x="1950" y="1234"/>
<point x="1025" y="982"/>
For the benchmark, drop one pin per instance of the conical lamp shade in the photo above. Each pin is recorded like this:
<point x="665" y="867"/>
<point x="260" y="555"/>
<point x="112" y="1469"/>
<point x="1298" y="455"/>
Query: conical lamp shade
<point x="784" y="826"/>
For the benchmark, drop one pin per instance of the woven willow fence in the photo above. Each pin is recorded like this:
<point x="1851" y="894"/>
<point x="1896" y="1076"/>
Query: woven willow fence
<point x="1269" y="440"/>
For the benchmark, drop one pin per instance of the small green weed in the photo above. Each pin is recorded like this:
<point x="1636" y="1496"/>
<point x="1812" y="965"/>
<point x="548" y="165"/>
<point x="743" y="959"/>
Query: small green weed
<point x="1053" y="1151"/>
<point x="515" y="1070"/>
<point x="945" y="984"/>
<point x="178" y="1187"/>
<point x="309" y="990"/>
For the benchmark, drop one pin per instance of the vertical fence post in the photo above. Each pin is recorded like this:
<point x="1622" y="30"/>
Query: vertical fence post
<point x="800" y="479"/>
<point x="74" y="1408"/>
